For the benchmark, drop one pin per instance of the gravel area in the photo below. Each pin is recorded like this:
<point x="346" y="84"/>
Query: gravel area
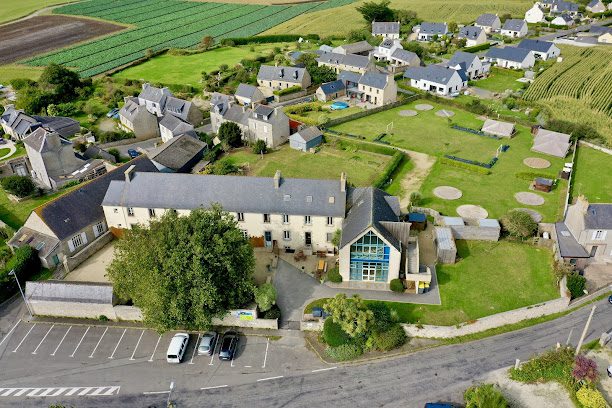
<point x="528" y="198"/>
<point x="423" y="107"/>
<point x="443" y="113"/>
<point x="536" y="163"/>
<point x="472" y="211"/>
<point x="408" y="112"/>
<point x="447" y="193"/>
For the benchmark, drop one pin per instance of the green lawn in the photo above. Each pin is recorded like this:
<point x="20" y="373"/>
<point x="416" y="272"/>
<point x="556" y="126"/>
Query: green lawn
<point x="4" y="151"/>
<point x="11" y="10"/>
<point x="395" y="188"/>
<point x="590" y="175"/>
<point x="490" y="277"/>
<point x="361" y="167"/>
<point x="15" y="214"/>
<point x="313" y="117"/>
<point x="13" y="71"/>
<point x="500" y="79"/>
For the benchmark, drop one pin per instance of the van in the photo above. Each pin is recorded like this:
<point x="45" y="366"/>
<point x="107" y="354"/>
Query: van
<point x="177" y="348"/>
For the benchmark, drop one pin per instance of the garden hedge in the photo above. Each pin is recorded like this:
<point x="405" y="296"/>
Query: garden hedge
<point x="333" y="335"/>
<point x="395" y="162"/>
<point x="466" y="166"/>
<point x="388" y="340"/>
<point x="333" y="275"/>
<point x="344" y="352"/>
<point x="396" y="285"/>
<point x="265" y="39"/>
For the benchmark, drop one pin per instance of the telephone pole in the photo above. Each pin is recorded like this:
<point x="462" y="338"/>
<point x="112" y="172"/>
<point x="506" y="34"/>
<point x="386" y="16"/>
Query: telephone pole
<point x="586" y="328"/>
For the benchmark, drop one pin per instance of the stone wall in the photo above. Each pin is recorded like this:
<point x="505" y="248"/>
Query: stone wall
<point x="71" y="262"/>
<point x="291" y="96"/>
<point x="311" y="325"/>
<point x="232" y="321"/>
<point x="129" y="313"/>
<point x="472" y="232"/>
<point x="72" y="309"/>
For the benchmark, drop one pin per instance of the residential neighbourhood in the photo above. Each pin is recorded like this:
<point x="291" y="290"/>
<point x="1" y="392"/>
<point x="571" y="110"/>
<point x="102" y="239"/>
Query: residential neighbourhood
<point x="261" y="204"/>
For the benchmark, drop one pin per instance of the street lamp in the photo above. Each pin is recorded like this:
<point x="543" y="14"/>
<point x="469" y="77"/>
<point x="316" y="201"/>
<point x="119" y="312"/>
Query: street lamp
<point x="12" y="273"/>
<point x="170" y="394"/>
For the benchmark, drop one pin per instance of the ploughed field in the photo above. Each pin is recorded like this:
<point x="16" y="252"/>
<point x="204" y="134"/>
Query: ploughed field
<point x="42" y="34"/>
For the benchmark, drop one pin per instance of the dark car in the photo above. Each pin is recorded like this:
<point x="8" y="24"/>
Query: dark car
<point x="610" y="299"/>
<point x="229" y="344"/>
<point x="133" y="153"/>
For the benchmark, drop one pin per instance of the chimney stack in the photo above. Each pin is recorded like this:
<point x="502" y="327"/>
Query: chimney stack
<point x="277" y="179"/>
<point x="343" y="182"/>
<point x="129" y="173"/>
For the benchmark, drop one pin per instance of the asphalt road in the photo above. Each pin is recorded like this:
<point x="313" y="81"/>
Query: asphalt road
<point x="562" y="33"/>
<point x="293" y="377"/>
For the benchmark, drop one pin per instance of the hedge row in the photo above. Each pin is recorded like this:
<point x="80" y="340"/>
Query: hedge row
<point x="287" y="91"/>
<point x="466" y="166"/>
<point x="368" y="147"/>
<point x="25" y="263"/>
<point x="530" y="175"/>
<point x="477" y="48"/>
<point x="395" y="162"/>
<point x="265" y="39"/>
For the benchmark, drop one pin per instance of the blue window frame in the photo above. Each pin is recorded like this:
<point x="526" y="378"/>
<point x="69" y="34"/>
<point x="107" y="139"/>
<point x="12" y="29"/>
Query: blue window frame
<point x="369" y="259"/>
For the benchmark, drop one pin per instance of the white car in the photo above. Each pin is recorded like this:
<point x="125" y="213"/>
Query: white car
<point x="610" y="371"/>
<point x="177" y="347"/>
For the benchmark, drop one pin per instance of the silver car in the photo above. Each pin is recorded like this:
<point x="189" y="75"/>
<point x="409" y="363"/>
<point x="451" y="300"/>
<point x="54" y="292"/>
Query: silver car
<point x="208" y="343"/>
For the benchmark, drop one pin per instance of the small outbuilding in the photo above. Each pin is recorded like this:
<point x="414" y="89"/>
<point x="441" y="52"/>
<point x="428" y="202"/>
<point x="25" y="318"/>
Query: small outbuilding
<point x="498" y="128"/>
<point x="418" y="221"/>
<point x="306" y="139"/>
<point x="178" y="155"/>
<point x="551" y="143"/>
<point x="445" y="245"/>
<point x="543" y="184"/>
<point x="331" y="90"/>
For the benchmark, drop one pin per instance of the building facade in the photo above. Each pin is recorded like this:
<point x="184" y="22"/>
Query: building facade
<point x="591" y="226"/>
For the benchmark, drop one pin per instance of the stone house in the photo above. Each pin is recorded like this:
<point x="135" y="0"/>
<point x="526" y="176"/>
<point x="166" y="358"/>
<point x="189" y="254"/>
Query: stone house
<point x="350" y="62"/>
<point x="330" y="91"/>
<point x="282" y="77"/>
<point x="137" y="119"/>
<point x="18" y="125"/>
<point x="489" y="22"/>
<point x="591" y="226"/>
<point x="248" y="95"/>
<point x="374" y="88"/>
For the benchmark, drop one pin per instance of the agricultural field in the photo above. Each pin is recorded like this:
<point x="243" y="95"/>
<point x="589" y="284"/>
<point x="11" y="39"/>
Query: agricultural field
<point x="12" y="10"/>
<point x="460" y="11"/>
<point x="162" y="24"/>
<point x="578" y="89"/>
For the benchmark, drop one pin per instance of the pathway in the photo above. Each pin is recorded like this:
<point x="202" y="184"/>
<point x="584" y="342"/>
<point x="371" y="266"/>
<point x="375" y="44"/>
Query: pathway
<point x="11" y="145"/>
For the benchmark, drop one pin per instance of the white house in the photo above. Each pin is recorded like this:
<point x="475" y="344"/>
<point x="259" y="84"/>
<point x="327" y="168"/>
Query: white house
<point x="390" y="30"/>
<point x="427" y="31"/>
<point x="375" y="88"/>
<point x="437" y="79"/>
<point x="565" y="7"/>
<point x="154" y="99"/>
<point x="393" y="52"/>
<point x="470" y="64"/>
<point x="511" y="57"/>
<point x="473" y="35"/>
<point x="489" y="22"/>
<point x="541" y="49"/>
<point x="535" y="14"/>
<point x="386" y="49"/>
<point x="514" y="28"/>
<point x="248" y="94"/>
<point x="563" y="20"/>
<point x="596" y="6"/>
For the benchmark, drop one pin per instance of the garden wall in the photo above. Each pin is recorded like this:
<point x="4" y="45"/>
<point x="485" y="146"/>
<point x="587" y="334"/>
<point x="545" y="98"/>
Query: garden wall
<point x="291" y="96"/>
<point x="471" y="232"/>
<point x="73" y="261"/>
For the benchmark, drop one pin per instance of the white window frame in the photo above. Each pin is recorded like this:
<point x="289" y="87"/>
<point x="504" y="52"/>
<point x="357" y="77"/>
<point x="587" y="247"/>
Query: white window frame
<point x="287" y="235"/>
<point x="329" y="237"/>
<point x="285" y="218"/>
<point x="599" y="235"/>
<point x="77" y="241"/>
<point x="99" y="229"/>
<point x="307" y="220"/>
<point x="245" y="233"/>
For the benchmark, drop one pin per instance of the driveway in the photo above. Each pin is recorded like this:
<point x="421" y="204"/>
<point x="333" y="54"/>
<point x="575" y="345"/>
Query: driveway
<point x="142" y="146"/>
<point x="94" y="268"/>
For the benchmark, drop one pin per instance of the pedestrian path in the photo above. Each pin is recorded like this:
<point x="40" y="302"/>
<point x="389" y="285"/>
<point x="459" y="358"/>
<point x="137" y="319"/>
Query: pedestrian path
<point x="59" y="391"/>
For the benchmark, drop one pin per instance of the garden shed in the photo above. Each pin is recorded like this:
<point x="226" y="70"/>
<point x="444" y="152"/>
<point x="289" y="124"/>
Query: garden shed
<point x="417" y="221"/>
<point x="306" y="139"/>
<point x="498" y="128"/>
<point x="445" y="245"/>
<point x="543" y="184"/>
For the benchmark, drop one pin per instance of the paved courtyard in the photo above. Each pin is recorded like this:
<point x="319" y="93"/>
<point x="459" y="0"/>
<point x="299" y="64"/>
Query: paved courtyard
<point x="94" y="268"/>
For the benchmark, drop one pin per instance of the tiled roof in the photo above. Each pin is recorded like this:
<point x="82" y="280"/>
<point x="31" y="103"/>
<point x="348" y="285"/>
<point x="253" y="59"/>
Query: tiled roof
<point x="470" y="32"/>
<point x="177" y="152"/>
<point x="535" y="45"/>
<point x="433" y="28"/>
<point x="332" y="87"/>
<point x="514" y="24"/>
<point x="379" y="28"/>
<point x="374" y="79"/>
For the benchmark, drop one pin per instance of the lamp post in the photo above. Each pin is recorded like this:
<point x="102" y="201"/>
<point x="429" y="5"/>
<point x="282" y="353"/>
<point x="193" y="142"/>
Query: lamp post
<point x="12" y="273"/>
<point x="170" y="394"/>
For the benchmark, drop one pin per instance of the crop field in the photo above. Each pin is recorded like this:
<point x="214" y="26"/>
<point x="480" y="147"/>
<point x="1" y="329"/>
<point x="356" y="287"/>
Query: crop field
<point x="579" y="88"/>
<point x="12" y="10"/>
<point x="162" y="24"/>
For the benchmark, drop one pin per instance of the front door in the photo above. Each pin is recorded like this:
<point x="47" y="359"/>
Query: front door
<point x="594" y="250"/>
<point x="308" y="238"/>
<point x="369" y="271"/>
<point x="268" y="238"/>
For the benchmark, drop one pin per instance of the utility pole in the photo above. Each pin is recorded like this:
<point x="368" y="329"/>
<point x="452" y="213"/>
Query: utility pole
<point x="586" y="327"/>
<point x="170" y="394"/>
<point x="12" y="272"/>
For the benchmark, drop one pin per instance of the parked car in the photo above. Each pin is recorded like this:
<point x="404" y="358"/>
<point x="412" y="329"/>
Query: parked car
<point x="339" y="105"/>
<point x="610" y="299"/>
<point x="111" y="113"/>
<point x="208" y="343"/>
<point x="177" y="347"/>
<point x="229" y="344"/>
<point x="133" y="153"/>
<point x="2" y="140"/>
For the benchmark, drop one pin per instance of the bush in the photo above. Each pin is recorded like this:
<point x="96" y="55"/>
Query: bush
<point x="333" y="335"/>
<point x="265" y="296"/>
<point x="591" y="398"/>
<point x="21" y="186"/>
<point x="333" y="275"/>
<point x="264" y="39"/>
<point x="388" y="340"/>
<point x="230" y="133"/>
<point x="466" y="166"/>
<point x="477" y="48"/>
<point x="576" y="284"/>
<point x="519" y="224"/>
<point x="395" y="162"/>
<point x="116" y="154"/>
<point x="484" y="396"/>
<point x="585" y="369"/>
<point x="530" y="175"/>
<point x="397" y="285"/>
<point x="382" y="316"/>
<point x="287" y="91"/>
<point x="415" y="198"/>
<point x="260" y="147"/>
<point x="554" y="365"/>
<point x="344" y="352"/>
<point x="25" y="263"/>
<point x="273" y="313"/>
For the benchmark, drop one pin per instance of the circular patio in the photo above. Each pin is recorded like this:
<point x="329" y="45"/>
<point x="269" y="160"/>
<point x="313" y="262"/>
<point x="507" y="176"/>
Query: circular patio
<point x="443" y="113"/>
<point x="536" y="163"/>
<point x="472" y="211"/>
<point x="447" y="193"/>
<point x="408" y="112"/>
<point x="536" y="216"/>
<point x="528" y="198"/>
<point x="423" y="107"/>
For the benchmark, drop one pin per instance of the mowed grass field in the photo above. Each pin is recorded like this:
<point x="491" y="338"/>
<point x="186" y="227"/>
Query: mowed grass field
<point x="461" y="11"/>
<point x="13" y="9"/>
<point x="361" y="167"/>
<point x="592" y="175"/>
<point x="500" y="79"/>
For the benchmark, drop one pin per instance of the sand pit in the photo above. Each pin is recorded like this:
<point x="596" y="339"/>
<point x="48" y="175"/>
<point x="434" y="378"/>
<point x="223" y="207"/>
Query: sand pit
<point x="423" y="107"/>
<point x="536" y="163"/>
<point x="445" y="113"/>
<point x="408" y="112"/>
<point x="529" y="198"/>
<point x="447" y="193"/>
<point x="472" y="211"/>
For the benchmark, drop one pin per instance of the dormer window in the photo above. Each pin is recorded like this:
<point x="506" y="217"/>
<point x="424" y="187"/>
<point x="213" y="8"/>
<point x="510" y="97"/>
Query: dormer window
<point x="309" y="199"/>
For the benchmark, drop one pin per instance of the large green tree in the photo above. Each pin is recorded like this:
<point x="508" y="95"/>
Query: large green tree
<point x="183" y="271"/>
<point x="318" y="74"/>
<point x="372" y="11"/>
<point x="230" y="133"/>
<point x="350" y="313"/>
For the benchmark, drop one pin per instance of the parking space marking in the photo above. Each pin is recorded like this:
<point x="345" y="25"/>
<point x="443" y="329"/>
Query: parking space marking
<point x="78" y="345"/>
<point x="117" y="346"/>
<point x="213" y="387"/>
<point x="270" y="378"/>
<point x="266" y="355"/>
<point x="156" y="392"/>
<point x="10" y="332"/>
<point x="195" y="350"/>
<point x="324" y="369"/>
<point x="248" y="366"/>
<point x="155" y="349"/>
<point x="43" y="339"/>
<point x="98" y="343"/>
<point x="24" y="337"/>
<point x="61" y="341"/>
<point x="212" y="357"/>
<point x="136" y="348"/>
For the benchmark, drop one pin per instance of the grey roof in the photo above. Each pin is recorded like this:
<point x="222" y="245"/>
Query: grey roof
<point x="234" y="193"/>
<point x="403" y="55"/>
<point x="281" y="73"/>
<point x="514" y="24"/>
<point x="552" y="143"/>
<point x="263" y="110"/>
<point x="39" y="140"/>
<point x="349" y="76"/>
<point x="488" y="222"/>
<point x="237" y="114"/>
<point x="568" y="246"/>
<point x="593" y="3"/>
<point x="131" y="108"/>
<point x="177" y="152"/>
<point x="453" y="221"/>
<point x="307" y="134"/>
<point x="355" y="48"/>
<point x="326" y="48"/>
<point x="567" y="18"/>
<point x="176" y="125"/>
<point x="433" y="28"/>
<point x="567" y="6"/>
<point x="18" y="121"/>
<point x="177" y="107"/>
<point x="66" y="127"/>
<point x="43" y="243"/>
<point x="508" y="53"/>
<point x="71" y="212"/>
<point x="62" y="291"/>
<point x="433" y="73"/>
<point x="332" y="87"/>
<point x="351" y="60"/>
<point x="387" y="43"/>
<point x="246" y="90"/>
<point x="498" y="128"/>
<point x="154" y="94"/>
<point x="600" y="30"/>
<point x="381" y="27"/>
<point x="598" y="216"/>
<point x="374" y="79"/>
<point x="535" y="45"/>
<point x="462" y="58"/>
<point x="444" y="238"/>
<point x="470" y="32"/>
<point x="368" y="207"/>
<point x="486" y="19"/>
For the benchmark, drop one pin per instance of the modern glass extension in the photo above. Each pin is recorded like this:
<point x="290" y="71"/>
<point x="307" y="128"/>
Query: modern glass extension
<point x="370" y="259"/>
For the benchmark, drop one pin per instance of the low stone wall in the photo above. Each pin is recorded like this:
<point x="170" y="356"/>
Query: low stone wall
<point x="472" y="232"/>
<point x="594" y="146"/>
<point x="129" y="313"/>
<point x="489" y="322"/>
<point x="72" y="309"/>
<point x="291" y="96"/>
<point x="233" y="321"/>
<point x="311" y="325"/>
<point x="75" y="260"/>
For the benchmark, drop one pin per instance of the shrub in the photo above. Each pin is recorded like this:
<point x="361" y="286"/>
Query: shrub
<point x="395" y="162"/>
<point x="344" y="352"/>
<point x="103" y="318"/>
<point x="388" y="340"/>
<point x="530" y="175"/>
<point x="576" y="284"/>
<point x="397" y="285"/>
<point x="554" y="365"/>
<point x="382" y="316"/>
<point x="333" y="335"/>
<point x="519" y="224"/>
<point x="21" y="186"/>
<point x="25" y="263"/>
<point x="273" y="313"/>
<point x="223" y="167"/>
<point x="591" y="398"/>
<point x="585" y="369"/>
<point x="476" y="48"/>
<point x="415" y="198"/>
<point x="265" y="296"/>
<point x="116" y="154"/>
<point x="484" y="396"/>
<point x="260" y="147"/>
<point x="230" y="132"/>
<point x="333" y="275"/>
<point x="287" y="91"/>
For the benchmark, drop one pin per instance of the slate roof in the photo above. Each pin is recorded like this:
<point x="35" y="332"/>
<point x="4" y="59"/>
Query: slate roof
<point x="66" y="127"/>
<point x="234" y="193"/>
<point x="598" y="216"/>
<point x="374" y="79"/>
<point x="552" y="143"/>
<point x="281" y="73"/>
<point x="508" y="53"/>
<point x="568" y="246"/>
<point x="567" y="19"/>
<point x="433" y="28"/>
<point x="351" y="60"/>
<point x="348" y="76"/>
<point x="307" y="134"/>
<point x="43" y="243"/>
<point x="600" y="30"/>
<point x="470" y="32"/>
<point x="78" y="292"/>
<point x="176" y="125"/>
<point x="368" y="207"/>
<point x="246" y="91"/>
<point x="379" y="28"/>
<point x="387" y="43"/>
<point x="237" y="114"/>
<point x="326" y="48"/>
<point x="535" y="45"/>
<point x="263" y="110"/>
<point x="154" y="94"/>
<point x="21" y="123"/>
<point x="177" y="107"/>
<point x="498" y="128"/>
<point x="405" y="56"/>
<point x="567" y="6"/>
<point x="177" y="152"/>
<point x="514" y="24"/>
<point x="434" y="73"/>
<point x="486" y="19"/>
<point x="355" y="48"/>
<point x="463" y="59"/>
<point x="444" y="239"/>
<point x="329" y="88"/>
<point x="593" y="3"/>
<point x="131" y="108"/>
<point x="76" y="209"/>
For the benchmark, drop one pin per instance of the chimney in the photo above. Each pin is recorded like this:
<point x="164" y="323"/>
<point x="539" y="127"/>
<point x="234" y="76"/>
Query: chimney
<point x="277" y="179"/>
<point x="129" y="173"/>
<point x="343" y="182"/>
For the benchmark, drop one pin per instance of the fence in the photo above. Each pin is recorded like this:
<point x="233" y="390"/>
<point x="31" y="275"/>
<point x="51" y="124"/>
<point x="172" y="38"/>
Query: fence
<point x="372" y="111"/>
<point x="596" y="147"/>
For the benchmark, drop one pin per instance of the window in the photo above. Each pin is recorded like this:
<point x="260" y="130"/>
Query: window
<point x="329" y="237"/>
<point x="130" y="211"/>
<point x="370" y="247"/>
<point x="99" y="229"/>
<point x="369" y="271"/>
<point x="116" y="210"/>
<point x="307" y="220"/>
<point x="240" y="216"/>
<point x="151" y="212"/>
<point x="266" y="218"/>
<point x="599" y="235"/>
<point x="330" y="220"/>
<point x="287" y="235"/>
<point x="309" y="199"/>
<point x="245" y="233"/>
<point x="285" y="218"/>
<point x="77" y="241"/>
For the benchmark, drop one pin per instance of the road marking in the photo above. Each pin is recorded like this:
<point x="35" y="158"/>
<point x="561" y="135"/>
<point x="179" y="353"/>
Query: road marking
<point x="215" y="387"/>
<point x="61" y="341"/>
<point x="24" y="337"/>
<point x="155" y="392"/>
<point x="136" y="348"/>
<point x="85" y="391"/>
<point x="155" y="349"/>
<point x="10" y="332"/>
<point x="232" y="360"/>
<point x="110" y="391"/>
<point x="98" y="343"/>
<point x="195" y="350"/>
<point x="117" y="346"/>
<point x="266" y="355"/>
<point x="79" y="345"/>
<point x="248" y="366"/>
<point x="324" y="369"/>
<point x="43" y="339"/>
<point x="212" y="356"/>
<point x="270" y="378"/>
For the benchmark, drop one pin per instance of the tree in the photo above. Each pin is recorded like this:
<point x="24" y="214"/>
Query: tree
<point x="60" y="81"/>
<point x="585" y="369"/>
<point x="519" y="224"/>
<point x="372" y="11"/>
<point x="416" y="198"/>
<point x="318" y="74"/>
<point x="404" y="16"/>
<point x="504" y="17"/>
<point x="260" y="147"/>
<point x="183" y="271"/>
<point x="576" y="284"/>
<point x="206" y="42"/>
<point x="21" y="186"/>
<point x="415" y="47"/>
<point x="350" y="313"/>
<point x="230" y="133"/>
<point x="484" y="396"/>
<point x="265" y="296"/>
<point x="452" y="27"/>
